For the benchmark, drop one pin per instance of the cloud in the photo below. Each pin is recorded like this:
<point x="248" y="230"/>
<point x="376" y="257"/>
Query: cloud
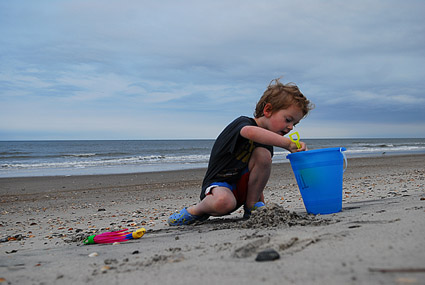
<point x="384" y="98"/>
<point x="358" y="129"/>
<point x="360" y="62"/>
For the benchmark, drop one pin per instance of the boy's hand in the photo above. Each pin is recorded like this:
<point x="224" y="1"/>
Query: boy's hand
<point x="293" y="147"/>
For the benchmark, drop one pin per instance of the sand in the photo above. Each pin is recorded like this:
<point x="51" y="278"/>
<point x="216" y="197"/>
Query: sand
<point x="378" y="238"/>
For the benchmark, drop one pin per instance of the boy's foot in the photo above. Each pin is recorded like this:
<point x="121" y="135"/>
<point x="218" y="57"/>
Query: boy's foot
<point x="248" y="212"/>
<point x="185" y="218"/>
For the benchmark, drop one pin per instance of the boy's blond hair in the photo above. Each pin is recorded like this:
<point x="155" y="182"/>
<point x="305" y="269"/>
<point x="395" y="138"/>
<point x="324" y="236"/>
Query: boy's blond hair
<point x="282" y="96"/>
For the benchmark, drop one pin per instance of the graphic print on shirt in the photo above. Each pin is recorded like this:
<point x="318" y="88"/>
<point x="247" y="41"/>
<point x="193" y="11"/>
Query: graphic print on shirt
<point x="244" y="153"/>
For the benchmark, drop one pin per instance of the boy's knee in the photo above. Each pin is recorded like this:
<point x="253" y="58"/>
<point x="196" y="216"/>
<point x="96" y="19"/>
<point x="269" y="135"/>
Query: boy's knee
<point x="224" y="204"/>
<point x="261" y="157"/>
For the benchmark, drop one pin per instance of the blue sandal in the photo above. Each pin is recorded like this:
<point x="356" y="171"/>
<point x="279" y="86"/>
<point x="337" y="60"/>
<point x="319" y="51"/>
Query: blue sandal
<point x="247" y="213"/>
<point x="185" y="218"/>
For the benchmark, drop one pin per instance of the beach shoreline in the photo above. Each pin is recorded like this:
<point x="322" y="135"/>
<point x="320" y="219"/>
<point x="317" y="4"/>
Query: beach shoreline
<point x="8" y="185"/>
<point x="61" y="158"/>
<point x="376" y="239"/>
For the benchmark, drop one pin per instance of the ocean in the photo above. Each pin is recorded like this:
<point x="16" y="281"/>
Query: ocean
<point x="87" y="157"/>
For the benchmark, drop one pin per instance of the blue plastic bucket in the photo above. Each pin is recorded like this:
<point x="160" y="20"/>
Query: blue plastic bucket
<point x="319" y="176"/>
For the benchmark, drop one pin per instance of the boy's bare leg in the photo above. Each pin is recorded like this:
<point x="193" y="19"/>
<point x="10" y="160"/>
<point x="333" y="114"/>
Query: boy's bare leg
<point x="260" y="165"/>
<point x="221" y="201"/>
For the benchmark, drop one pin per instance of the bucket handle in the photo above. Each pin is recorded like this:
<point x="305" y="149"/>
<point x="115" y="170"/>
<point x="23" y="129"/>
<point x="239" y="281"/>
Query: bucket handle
<point x="345" y="158"/>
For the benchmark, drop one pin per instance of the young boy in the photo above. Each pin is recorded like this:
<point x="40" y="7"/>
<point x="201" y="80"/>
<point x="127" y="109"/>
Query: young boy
<point x="241" y="158"/>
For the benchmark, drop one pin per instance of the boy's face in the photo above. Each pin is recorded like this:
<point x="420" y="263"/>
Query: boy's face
<point x="283" y="121"/>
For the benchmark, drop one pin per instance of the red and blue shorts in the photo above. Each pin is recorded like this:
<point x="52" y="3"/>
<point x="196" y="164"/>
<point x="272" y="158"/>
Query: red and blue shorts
<point x="239" y="189"/>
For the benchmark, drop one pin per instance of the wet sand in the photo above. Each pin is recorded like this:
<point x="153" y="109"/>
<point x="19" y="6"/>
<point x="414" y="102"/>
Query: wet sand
<point x="378" y="238"/>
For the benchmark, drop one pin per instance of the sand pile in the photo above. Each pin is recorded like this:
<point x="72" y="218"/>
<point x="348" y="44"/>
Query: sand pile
<point x="270" y="216"/>
<point x="274" y="215"/>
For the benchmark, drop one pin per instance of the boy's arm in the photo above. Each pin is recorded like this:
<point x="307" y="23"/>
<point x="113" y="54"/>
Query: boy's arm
<point x="263" y="136"/>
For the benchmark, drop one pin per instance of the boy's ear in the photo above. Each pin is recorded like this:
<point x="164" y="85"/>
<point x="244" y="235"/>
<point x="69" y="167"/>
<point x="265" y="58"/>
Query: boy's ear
<point x="267" y="111"/>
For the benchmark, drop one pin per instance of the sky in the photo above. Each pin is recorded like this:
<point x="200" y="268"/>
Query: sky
<point x="135" y="69"/>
